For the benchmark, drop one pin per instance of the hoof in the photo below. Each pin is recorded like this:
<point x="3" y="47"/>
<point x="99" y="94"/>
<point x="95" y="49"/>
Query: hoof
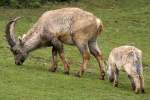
<point x="136" y="91"/>
<point x="142" y="91"/>
<point x="115" y="85"/>
<point x="66" y="72"/>
<point x="78" y="74"/>
<point x="133" y="86"/>
<point x="111" y="79"/>
<point x="53" y="69"/>
<point x="102" y="76"/>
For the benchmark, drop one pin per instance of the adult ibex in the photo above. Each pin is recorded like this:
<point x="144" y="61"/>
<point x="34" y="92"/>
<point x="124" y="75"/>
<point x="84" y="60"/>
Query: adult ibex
<point x="54" y="28"/>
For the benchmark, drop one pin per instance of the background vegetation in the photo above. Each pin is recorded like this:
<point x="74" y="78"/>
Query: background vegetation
<point x="28" y="3"/>
<point x="125" y="21"/>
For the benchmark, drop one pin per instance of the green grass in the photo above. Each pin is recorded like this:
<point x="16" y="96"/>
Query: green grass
<point x="125" y="21"/>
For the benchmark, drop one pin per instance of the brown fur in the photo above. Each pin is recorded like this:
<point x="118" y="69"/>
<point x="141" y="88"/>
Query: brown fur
<point x="71" y="26"/>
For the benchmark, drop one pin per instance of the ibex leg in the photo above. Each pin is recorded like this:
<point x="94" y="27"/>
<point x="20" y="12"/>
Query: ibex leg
<point x="96" y="52"/>
<point x="84" y="50"/>
<point x="53" y="67"/>
<point x="59" y="47"/>
<point x="62" y="57"/>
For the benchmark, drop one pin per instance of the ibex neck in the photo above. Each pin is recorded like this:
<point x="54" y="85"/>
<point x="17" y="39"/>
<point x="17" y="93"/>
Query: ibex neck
<point x="32" y="40"/>
<point x="32" y="43"/>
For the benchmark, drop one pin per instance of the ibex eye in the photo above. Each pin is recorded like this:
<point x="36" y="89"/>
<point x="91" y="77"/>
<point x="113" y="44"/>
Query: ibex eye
<point x="15" y="52"/>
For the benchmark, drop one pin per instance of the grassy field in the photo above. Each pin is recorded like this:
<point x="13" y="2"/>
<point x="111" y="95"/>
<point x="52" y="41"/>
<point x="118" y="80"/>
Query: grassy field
<point x="125" y="22"/>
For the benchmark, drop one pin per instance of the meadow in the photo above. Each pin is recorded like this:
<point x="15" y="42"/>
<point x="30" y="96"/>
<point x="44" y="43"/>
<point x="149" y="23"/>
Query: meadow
<point x="126" y="22"/>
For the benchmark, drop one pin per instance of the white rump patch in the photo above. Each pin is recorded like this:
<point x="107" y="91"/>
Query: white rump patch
<point x="98" y="22"/>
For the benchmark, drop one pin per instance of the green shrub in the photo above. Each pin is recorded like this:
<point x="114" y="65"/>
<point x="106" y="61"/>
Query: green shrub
<point x="4" y="2"/>
<point x="21" y="3"/>
<point x="25" y="3"/>
<point x="28" y="3"/>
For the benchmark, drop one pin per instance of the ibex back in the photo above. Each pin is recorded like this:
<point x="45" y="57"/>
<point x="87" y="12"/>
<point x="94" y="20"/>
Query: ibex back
<point x="54" y="28"/>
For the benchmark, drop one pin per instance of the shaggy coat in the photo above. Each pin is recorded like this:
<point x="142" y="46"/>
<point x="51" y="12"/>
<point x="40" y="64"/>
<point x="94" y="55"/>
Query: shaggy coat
<point x="54" y="28"/>
<point x="128" y="58"/>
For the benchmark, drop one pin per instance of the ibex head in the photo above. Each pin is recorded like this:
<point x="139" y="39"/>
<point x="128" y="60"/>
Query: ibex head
<point x="16" y="45"/>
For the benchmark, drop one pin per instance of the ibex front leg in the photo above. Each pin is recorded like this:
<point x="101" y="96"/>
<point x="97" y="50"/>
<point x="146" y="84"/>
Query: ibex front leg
<point x="53" y="67"/>
<point x="58" y="47"/>
<point x="62" y="57"/>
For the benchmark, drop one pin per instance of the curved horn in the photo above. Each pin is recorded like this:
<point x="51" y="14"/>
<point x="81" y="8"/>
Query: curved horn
<point x="10" y="32"/>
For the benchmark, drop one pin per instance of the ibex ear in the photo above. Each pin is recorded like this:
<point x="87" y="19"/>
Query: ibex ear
<point x="20" y="41"/>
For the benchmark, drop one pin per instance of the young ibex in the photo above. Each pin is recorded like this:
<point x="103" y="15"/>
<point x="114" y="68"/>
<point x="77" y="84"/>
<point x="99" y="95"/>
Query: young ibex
<point x="54" y="28"/>
<point x="130" y="59"/>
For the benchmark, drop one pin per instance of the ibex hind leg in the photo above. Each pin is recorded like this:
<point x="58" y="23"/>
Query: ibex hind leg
<point x="84" y="50"/>
<point x="96" y="52"/>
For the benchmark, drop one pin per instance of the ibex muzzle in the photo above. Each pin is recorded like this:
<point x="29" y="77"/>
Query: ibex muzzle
<point x="54" y="28"/>
<point x="19" y="54"/>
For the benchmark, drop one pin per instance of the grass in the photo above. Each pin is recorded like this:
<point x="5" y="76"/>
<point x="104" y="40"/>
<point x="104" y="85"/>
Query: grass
<point x="125" y="21"/>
